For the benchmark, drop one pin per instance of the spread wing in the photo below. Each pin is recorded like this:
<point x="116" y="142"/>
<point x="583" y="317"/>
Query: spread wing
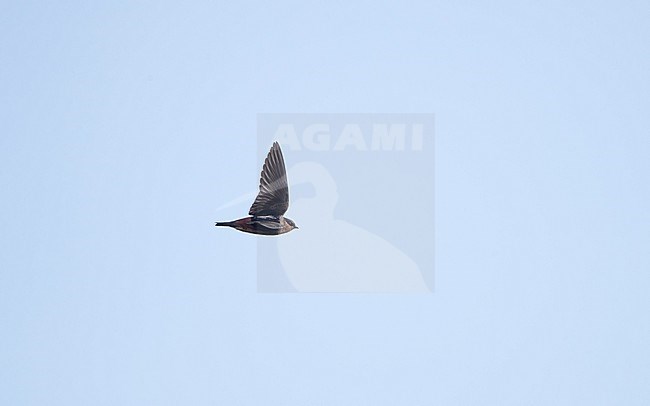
<point x="273" y="198"/>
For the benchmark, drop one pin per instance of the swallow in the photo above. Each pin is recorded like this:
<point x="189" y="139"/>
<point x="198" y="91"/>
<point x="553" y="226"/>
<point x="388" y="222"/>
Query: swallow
<point x="267" y="211"/>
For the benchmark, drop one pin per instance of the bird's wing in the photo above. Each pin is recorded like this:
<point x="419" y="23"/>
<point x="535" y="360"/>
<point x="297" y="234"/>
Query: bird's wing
<point x="269" y="222"/>
<point x="273" y="198"/>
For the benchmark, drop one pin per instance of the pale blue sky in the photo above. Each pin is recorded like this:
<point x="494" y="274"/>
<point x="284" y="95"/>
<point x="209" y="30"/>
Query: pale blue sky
<point x="126" y="124"/>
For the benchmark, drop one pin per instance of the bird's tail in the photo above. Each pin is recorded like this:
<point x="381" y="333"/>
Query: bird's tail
<point x="224" y="223"/>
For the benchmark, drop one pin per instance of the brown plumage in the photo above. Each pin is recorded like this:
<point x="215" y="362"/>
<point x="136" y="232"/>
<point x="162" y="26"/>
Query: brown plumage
<point x="271" y="202"/>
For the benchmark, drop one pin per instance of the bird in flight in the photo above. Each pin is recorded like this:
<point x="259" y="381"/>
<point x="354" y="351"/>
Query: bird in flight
<point x="267" y="211"/>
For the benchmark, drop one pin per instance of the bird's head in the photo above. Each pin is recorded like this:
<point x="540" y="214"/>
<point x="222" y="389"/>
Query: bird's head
<point x="291" y="223"/>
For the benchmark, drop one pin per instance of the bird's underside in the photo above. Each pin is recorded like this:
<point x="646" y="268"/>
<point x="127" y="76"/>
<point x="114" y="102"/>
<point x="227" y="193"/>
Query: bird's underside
<point x="265" y="225"/>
